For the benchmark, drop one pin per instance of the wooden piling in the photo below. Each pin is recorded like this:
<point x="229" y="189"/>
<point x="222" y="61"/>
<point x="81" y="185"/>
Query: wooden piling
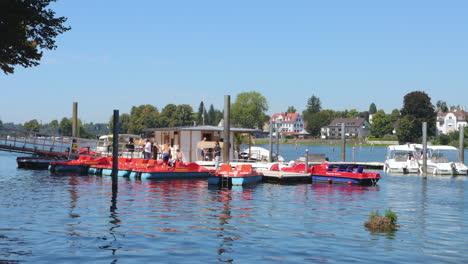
<point x="461" y="148"/>
<point x="75" y="120"/>
<point x="270" y="156"/>
<point x="227" y="128"/>
<point x="115" y="148"/>
<point x="343" y="142"/>
<point x="424" y="142"/>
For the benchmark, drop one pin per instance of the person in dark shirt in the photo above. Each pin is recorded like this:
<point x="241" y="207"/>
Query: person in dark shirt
<point x="217" y="154"/>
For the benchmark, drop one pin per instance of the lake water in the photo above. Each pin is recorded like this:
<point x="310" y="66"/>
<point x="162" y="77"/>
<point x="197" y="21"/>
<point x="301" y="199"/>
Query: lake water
<point x="77" y="219"/>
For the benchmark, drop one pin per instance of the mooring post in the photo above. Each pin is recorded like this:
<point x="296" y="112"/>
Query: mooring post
<point x="227" y="128"/>
<point x="343" y="142"/>
<point x="115" y="149"/>
<point x="270" y="156"/>
<point x="306" y="170"/>
<point x="75" y="120"/>
<point x="424" y="142"/>
<point x="461" y="156"/>
<point x="277" y="139"/>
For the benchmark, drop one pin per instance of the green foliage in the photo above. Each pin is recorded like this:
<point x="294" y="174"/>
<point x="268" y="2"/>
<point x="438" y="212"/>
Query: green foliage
<point x="313" y="105"/>
<point x="451" y="139"/>
<point x="442" y="106"/>
<point x="409" y="130"/>
<point x="65" y="127"/>
<point x="374" y="213"/>
<point x="214" y="116"/>
<point x="176" y="115"/>
<point x="392" y="216"/>
<point x="141" y="117"/>
<point x="316" y="121"/>
<point x="249" y="109"/>
<point x="32" y="126"/>
<point x="381" y="124"/>
<point x="27" y="27"/>
<point x="372" y="109"/>
<point x="418" y="105"/>
<point x="1" y="124"/>
<point x="201" y="115"/>
<point x="291" y="109"/>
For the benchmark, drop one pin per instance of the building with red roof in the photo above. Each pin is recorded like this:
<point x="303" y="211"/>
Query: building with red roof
<point x="452" y="120"/>
<point x="288" y="123"/>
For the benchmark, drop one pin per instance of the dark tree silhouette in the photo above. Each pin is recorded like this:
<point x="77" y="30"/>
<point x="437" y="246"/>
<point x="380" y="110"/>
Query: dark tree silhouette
<point x="27" y="27"/>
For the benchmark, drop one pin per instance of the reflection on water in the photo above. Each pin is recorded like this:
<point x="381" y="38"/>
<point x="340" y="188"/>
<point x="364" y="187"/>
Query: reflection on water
<point x="70" y="219"/>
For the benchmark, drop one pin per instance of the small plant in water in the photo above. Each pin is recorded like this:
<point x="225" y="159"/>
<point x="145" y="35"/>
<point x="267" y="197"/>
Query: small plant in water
<point x="378" y="223"/>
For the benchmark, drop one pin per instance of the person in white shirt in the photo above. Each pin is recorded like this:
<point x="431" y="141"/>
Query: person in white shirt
<point x="147" y="149"/>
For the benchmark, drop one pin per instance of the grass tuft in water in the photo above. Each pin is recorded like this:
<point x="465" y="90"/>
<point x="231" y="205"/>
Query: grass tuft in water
<point x="379" y="223"/>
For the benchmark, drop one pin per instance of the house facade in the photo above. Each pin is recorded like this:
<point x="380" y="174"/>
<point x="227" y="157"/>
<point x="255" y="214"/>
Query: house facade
<point x="451" y="121"/>
<point x="288" y="123"/>
<point x="354" y="128"/>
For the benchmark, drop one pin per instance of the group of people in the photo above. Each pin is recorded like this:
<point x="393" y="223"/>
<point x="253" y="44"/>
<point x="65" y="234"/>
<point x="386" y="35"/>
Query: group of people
<point x="151" y="151"/>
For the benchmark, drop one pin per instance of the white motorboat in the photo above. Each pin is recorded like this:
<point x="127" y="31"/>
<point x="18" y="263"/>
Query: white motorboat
<point x="259" y="154"/>
<point x="401" y="159"/>
<point x="104" y="146"/>
<point x="443" y="160"/>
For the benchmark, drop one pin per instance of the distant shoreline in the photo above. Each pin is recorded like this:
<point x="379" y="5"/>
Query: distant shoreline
<point x="322" y="142"/>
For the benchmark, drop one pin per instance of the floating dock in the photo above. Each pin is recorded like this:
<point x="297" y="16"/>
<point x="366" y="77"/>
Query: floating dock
<point x="285" y="177"/>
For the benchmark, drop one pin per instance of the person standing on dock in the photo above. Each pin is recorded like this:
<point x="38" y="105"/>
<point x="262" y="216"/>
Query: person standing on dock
<point x="217" y="154"/>
<point x="147" y="149"/>
<point x="204" y="151"/>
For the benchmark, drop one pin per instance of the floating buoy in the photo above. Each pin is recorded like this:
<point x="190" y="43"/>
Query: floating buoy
<point x="329" y="180"/>
<point x="350" y="182"/>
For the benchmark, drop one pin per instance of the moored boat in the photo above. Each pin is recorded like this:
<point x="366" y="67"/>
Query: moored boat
<point x="443" y="160"/>
<point x="344" y="174"/>
<point x="162" y="170"/>
<point x="37" y="163"/>
<point x="401" y="159"/>
<point x="79" y="165"/>
<point x="241" y="175"/>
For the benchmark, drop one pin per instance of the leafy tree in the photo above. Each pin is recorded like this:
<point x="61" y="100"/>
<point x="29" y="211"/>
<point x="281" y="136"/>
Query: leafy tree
<point x="201" y="116"/>
<point x="372" y="109"/>
<point x="214" y="116"/>
<point x="291" y="109"/>
<point x="65" y="127"/>
<point x="54" y="127"/>
<point x="168" y="116"/>
<point x="184" y="115"/>
<point x="395" y="115"/>
<point x="141" y="117"/>
<point x="124" y="121"/>
<point x="408" y="130"/>
<point x="381" y="124"/>
<point x="1" y="124"/>
<point x="32" y="126"/>
<point x="316" y="121"/>
<point x="418" y="105"/>
<point x="365" y="115"/>
<point x="442" y="105"/>
<point x="353" y="113"/>
<point x="313" y="105"/>
<point x="249" y="110"/>
<point x="27" y="27"/>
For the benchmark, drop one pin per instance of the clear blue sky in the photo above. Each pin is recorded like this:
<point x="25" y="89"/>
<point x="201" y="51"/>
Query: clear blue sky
<point x="121" y="54"/>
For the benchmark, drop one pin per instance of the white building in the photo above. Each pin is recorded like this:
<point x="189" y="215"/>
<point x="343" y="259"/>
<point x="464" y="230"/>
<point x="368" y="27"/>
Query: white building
<point x="451" y="121"/>
<point x="288" y="123"/>
<point x="354" y="128"/>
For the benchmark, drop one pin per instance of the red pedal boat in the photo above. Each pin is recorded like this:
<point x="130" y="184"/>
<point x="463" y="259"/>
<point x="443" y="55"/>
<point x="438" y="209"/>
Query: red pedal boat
<point x="346" y="174"/>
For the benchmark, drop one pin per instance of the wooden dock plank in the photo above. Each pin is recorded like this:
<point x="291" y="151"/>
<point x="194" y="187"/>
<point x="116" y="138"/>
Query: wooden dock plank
<point x="283" y="176"/>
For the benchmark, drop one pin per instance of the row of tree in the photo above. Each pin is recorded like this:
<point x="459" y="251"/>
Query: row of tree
<point x="249" y="111"/>
<point x="417" y="108"/>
